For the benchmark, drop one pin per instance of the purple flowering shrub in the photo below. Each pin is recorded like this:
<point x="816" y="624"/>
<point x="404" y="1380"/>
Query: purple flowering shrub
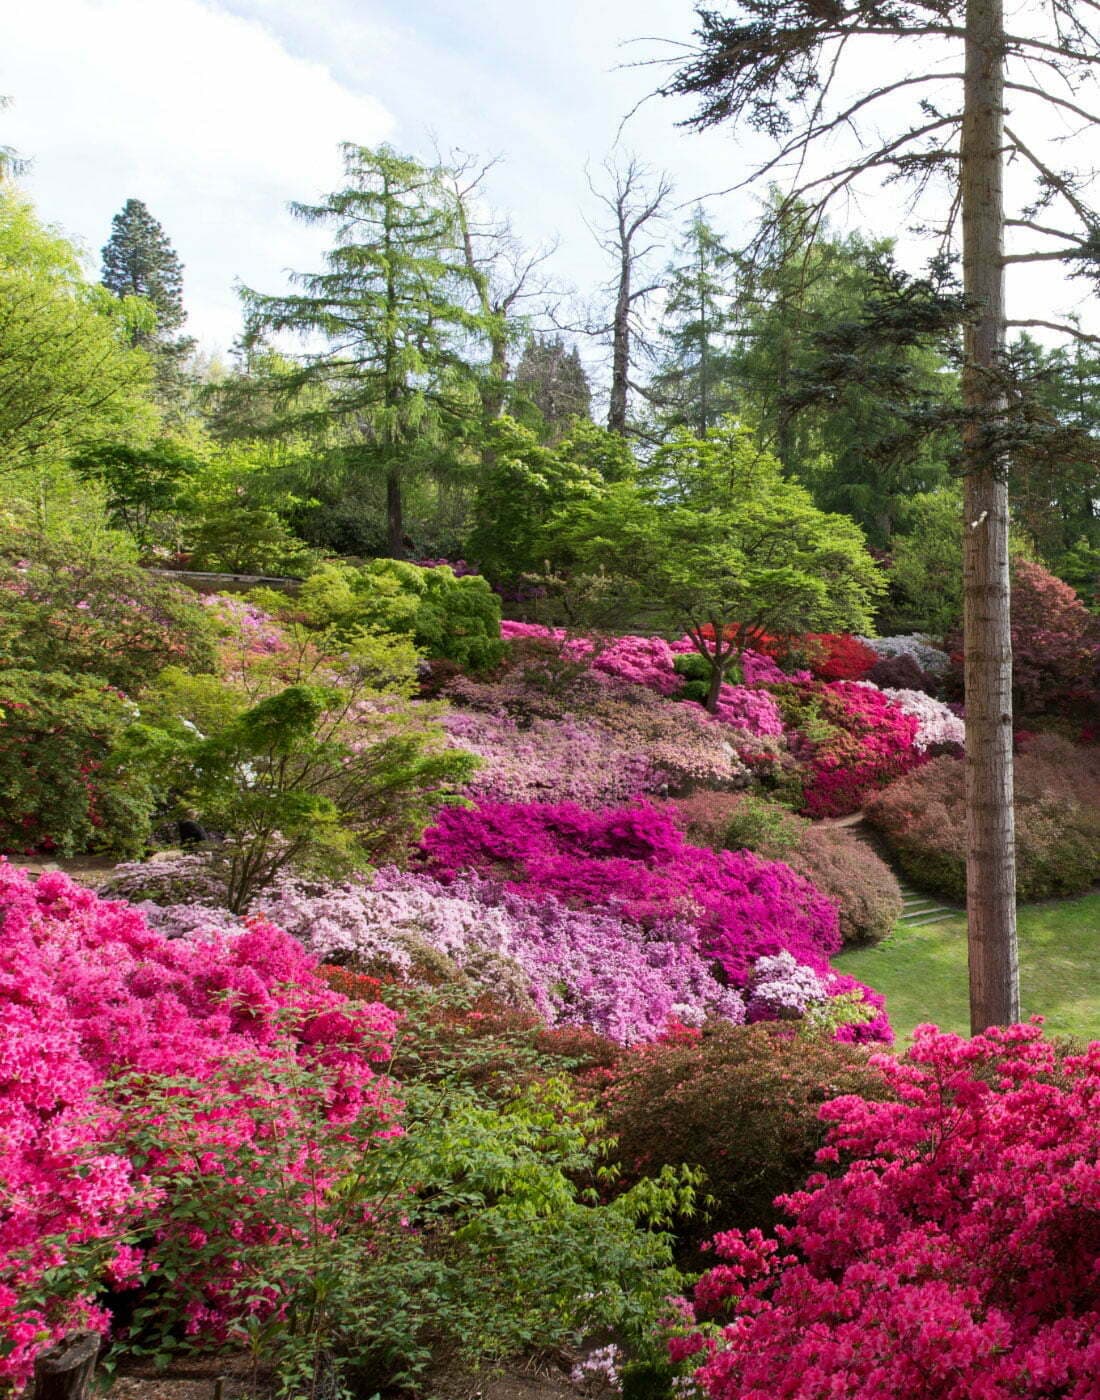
<point x="636" y="863"/>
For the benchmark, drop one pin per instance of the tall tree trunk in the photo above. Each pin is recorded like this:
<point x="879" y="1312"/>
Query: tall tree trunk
<point x="620" y="351"/>
<point x="395" y="516"/>
<point x="990" y="855"/>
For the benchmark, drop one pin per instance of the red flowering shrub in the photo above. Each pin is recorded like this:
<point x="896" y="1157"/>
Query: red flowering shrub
<point x="953" y="1254"/>
<point x="1057" y="792"/>
<point x="96" y="1010"/>
<point x="853" y="739"/>
<point x="741" y="1102"/>
<point x="831" y="656"/>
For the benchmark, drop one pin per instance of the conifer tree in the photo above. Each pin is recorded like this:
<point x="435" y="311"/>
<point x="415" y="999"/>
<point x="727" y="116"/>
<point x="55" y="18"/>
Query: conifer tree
<point x="554" y="380"/>
<point x="139" y="261"/>
<point x="693" y="386"/>
<point x="392" y="310"/>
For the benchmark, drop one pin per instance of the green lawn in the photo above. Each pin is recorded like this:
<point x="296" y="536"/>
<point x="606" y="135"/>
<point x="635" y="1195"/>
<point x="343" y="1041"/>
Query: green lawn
<point x="922" y="971"/>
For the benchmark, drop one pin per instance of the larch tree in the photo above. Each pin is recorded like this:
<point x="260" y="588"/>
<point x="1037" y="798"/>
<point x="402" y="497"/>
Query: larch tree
<point x="693" y="385"/>
<point x="795" y="71"/>
<point x="390" y="316"/>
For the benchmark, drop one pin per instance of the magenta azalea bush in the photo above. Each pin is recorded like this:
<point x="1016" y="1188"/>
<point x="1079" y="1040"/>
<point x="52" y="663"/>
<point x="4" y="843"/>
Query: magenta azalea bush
<point x="91" y="996"/>
<point x="948" y="1247"/>
<point x="636" y="863"/>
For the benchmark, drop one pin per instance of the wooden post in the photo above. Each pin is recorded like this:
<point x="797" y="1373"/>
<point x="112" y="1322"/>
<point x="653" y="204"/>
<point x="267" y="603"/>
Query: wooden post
<point x="65" y="1371"/>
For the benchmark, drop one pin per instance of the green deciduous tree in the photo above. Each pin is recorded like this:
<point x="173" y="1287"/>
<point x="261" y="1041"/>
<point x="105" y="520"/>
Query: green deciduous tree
<point x="711" y="540"/>
<point x="68" y="374"/>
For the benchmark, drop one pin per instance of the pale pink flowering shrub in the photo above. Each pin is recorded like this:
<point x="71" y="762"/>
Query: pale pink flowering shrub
<point x="89" y="994"/>
<point x="938" y="726"/>
<point x="950" y="1247"/>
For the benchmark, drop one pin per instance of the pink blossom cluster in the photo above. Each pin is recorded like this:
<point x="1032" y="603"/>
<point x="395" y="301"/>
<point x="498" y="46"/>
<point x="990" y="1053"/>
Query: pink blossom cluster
<point x="567" y="759"/>
<point x="646" y="661"/>
<point x="872" y="741"/>
<point x="247" y="629"/>
<point x="938" y="726"/>
<point x="948" y="1247"/>
<point x="89" y="992"/>
<point x="635" y="863"/>
<point x="750" y="709"/>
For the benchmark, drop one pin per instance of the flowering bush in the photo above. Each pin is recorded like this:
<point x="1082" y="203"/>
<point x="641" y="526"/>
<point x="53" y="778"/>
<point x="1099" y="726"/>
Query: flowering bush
<point x="952" y="1253"/>
<point x="938" y="726"/>
<point x="576" y="967"/>
<point x="567" y="759"/>
<point x="741" y="1102"/>
<point x="91" y="995"/>
<point x="1057" y="805"/>
<point x="635" y="863"/>
<point x="61" y="788"/>
<point x="831" y="656"/>
<point x="853" y="739"/>
<point x="92" y="612"/>
<point x="934" y="660"/>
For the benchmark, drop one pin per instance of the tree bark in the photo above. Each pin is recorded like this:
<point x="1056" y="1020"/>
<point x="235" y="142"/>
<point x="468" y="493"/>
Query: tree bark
<point x="65" y="1371"/>
<point x="990" y="855"/>
<point x="620" y="346"/>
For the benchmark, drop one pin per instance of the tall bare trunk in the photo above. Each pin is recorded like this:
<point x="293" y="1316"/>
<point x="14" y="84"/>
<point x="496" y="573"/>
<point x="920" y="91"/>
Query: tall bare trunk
<point x="620" y="351"/>
<point x="990" y="856"/>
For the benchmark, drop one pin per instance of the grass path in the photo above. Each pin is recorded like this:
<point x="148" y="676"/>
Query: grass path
<point x="921" y="969"/>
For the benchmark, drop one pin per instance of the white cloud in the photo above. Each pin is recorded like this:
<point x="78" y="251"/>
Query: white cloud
<point x="204" y="115"/>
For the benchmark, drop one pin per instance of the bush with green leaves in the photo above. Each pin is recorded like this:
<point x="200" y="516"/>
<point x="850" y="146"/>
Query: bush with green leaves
<point x="448" y="617"/>
<point x="326" y="774"/>
<point x="740" y="1104"/>
<point x="85" y="608"/>
<point x="62" y="789"/>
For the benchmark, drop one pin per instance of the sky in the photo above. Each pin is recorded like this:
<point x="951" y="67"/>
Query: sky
<point x="216" y="113"/>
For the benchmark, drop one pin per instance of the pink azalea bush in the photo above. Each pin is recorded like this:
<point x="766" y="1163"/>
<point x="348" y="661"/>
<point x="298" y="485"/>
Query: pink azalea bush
<point x="92" y="996"/>
<point x="948" y="1248"/>
<point x="636" y="863"/>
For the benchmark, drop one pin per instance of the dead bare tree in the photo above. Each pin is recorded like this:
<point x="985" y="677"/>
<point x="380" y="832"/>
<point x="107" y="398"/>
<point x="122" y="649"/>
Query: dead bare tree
<point x="634" y="199"/>
<point x="795" y="70"/>
<point x="505" y="276"/>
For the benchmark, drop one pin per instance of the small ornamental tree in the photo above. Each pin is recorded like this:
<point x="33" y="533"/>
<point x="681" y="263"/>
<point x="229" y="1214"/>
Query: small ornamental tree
<point x="710" y="539"/>
<point x="947" y="1247"/>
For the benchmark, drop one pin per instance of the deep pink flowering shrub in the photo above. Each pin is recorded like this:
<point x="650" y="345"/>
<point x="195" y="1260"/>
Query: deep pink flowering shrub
<point x="646" y="661"/>
<point x="949" y="1249"/>
<point x="751" y="709"/>
<point x="89" y="993"/>
<point x="636" y="862"/>
<point x="852" y="738"/>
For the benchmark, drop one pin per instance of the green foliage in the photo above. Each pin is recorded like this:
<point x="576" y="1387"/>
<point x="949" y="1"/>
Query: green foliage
<point x="741" y="1105"/>
<point x="1080" y="567"/>
<point x="713" y="541"/>
<point x="82" y="606"/>
<point x="142" y="483"/>
<point x="234" y="516"/>
<point x="454" y="619"/>
<point x="523" y="486"/>
<point x="61" y="787"/>
<point x="552" y="381"/>
<point x="326" y="774"/>
<point x="474" y="1236"/>
<point x="390" y="305"/>
<point x="926" y="577"/>
<point x="68" y="374"/>
<point x="693" y="387"/>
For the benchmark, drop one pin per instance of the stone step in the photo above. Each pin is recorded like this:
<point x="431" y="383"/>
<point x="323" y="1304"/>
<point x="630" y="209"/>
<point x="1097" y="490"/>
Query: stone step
<point x="934" y="917"/>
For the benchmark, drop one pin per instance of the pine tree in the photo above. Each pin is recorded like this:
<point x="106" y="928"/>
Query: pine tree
<point x="554" y="380"/>
<point x="392" y="307"/>
<point x="139" y="261"/>
<point x="692" y="386"/>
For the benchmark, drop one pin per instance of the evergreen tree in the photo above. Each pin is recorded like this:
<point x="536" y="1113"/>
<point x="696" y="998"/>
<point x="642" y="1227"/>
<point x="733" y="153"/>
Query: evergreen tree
<point x="139" y="261"/>
<point x="553" y="379"/>
<point x="693" y="385"/>
<point x="391" y="307"/>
